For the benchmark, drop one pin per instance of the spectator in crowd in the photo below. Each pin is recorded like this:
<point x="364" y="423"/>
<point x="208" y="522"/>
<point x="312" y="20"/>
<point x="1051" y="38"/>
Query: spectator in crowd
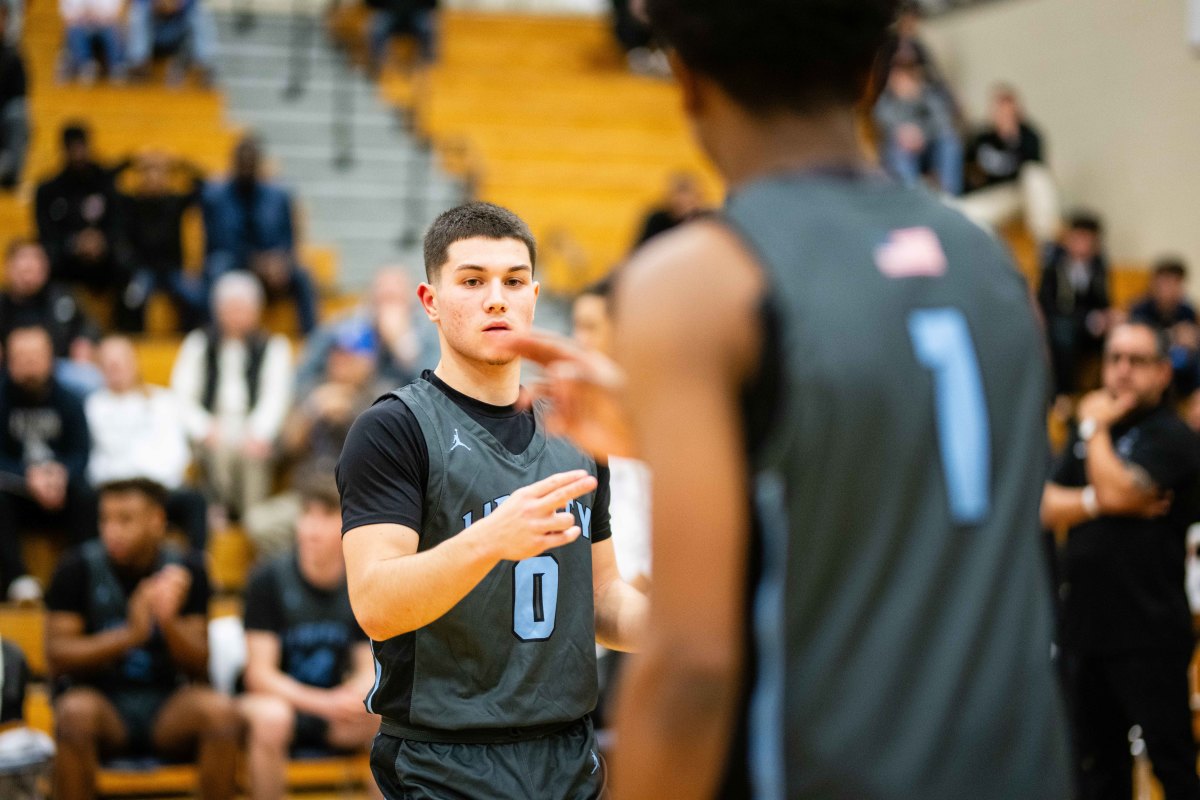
<point x="153" y="215"/>
<point x="395" y="18"/>
<point x="44" y="446"/>
<point x="637" y="41"/>
<point x="1073" y="296"/>
<point x="182" y="29"/>
<point x="917" y="128"/>
<point x="315" y="430"/>
<point x="1124" y="493"/>
<point x="127" y="640"/>
<point x="308" y="664"/>
<point x="406" y="343"/>
<point x="906" y="45"/>
<point x="79" y="224"/>
<point x="1006" y="172"/>
<point x="30" y="298"/>
<point x="91" y="26"/>
<point x="685" y="201"/>
<point x="248" y="226"/>
<point x="14" y="111"/>
<point x="138" y="432"/>
<point x="234" y="383"/>
<point x="1167" y="309"/>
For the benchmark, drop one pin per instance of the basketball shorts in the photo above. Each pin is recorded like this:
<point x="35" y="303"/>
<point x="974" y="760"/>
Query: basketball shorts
<point x="564" y="765"/>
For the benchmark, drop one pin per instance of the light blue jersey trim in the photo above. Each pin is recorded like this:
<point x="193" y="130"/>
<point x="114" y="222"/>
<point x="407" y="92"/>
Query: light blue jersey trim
<point x="378" y="678"/>
<point x="767" y="777"/>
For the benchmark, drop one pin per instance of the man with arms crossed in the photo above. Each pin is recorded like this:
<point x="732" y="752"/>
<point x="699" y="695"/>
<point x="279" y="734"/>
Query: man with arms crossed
<point x="477" y="548"/>
<point x="862" y="367"/>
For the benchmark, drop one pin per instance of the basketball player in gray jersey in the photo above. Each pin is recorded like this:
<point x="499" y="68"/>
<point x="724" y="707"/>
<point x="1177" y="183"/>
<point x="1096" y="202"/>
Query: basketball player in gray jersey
<point x="862" y="367"/>
<point x="478" y="550"/>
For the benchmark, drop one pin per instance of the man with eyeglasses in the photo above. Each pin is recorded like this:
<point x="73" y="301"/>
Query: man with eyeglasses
<point x="1124" y="494"/>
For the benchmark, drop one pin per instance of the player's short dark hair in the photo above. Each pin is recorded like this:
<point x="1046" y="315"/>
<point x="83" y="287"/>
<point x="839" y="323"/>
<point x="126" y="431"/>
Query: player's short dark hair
<point x="1085" y="221"/>
<point x="603" y="288"/>
<point x="779" y="55"/>
<point x="468" y="221"/>
<point x="319" y="487"/>
<point x="153" y="491"/>
<point x="1172" y="266"/>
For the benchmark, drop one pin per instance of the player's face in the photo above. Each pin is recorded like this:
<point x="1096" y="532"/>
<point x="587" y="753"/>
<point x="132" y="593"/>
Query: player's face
<point x="1132" y="367"/>
<point x="319" y="534"/>
<point x="130" y="527"/>
<point x="590" y="323"/>
<point x="484" y="296"/>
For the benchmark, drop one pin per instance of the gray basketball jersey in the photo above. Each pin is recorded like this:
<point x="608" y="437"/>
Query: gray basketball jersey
<point x="519" y="650"/>
<point x="902" y="619"/>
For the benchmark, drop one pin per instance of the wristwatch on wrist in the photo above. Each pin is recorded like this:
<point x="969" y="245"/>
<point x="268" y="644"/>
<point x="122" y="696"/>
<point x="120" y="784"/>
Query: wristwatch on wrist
<point x="1087" y="429"/>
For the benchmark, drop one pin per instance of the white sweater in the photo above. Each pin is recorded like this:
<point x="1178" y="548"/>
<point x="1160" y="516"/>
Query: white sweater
<point x="231" y="409"/>
<point x="137" y="434"/>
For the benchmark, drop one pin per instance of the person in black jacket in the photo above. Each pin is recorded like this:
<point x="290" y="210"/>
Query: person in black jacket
<point x="1074" y="300"/>
<point x="14" y="115"/>
<point x="30" y="298"/>
<point x="153" y="216"/>
<point x="44" y="444"/>
<point x="78" y="222"/>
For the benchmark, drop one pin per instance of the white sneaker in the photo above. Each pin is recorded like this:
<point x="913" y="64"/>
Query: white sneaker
<point x="25" y="589"/>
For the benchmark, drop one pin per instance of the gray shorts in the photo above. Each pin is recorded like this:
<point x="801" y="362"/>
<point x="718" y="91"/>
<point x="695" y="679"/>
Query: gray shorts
<point x="564" y="765"/>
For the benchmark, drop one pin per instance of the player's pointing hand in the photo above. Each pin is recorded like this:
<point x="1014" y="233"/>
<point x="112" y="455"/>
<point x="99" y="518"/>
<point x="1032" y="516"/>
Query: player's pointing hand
<point x="529" y="523"/>
<point x="584" y="389"/>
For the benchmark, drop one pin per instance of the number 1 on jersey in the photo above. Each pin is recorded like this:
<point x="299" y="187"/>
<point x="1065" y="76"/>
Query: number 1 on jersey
<point x="943" y="345"/>
<point x="535" y="598"/>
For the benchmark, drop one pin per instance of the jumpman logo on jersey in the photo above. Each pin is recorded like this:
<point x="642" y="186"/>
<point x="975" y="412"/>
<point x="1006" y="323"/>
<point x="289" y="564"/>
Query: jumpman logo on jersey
<point x="457" y="443"/>
<point x="595" y="762"/>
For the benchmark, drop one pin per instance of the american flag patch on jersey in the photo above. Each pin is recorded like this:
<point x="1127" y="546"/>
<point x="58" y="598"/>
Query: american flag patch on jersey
<point x="911" y="253"/>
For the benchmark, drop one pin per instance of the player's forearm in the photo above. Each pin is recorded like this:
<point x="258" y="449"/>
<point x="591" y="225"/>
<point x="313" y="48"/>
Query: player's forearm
<point x="187" y="643"/>
<point x="620" y="616"/>
<point x="88" y="653"/>
<point x="674" y="720"/>
<point x="1118" y="486"/>
<point x="397" y="595"/>
<point x="267" y="679"/>
<point x="1062" y="507"/>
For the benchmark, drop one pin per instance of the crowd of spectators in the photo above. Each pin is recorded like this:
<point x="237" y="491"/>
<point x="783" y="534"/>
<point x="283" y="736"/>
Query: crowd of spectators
<point x="121" y="39"/>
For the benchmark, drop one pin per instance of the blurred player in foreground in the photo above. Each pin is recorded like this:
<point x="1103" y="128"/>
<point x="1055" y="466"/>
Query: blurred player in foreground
<point x="861" y="366"/>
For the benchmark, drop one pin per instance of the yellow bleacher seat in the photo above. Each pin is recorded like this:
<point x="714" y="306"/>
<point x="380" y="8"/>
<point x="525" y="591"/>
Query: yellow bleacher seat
<point x="231" y="555"/>
<point x="25" y="626"/>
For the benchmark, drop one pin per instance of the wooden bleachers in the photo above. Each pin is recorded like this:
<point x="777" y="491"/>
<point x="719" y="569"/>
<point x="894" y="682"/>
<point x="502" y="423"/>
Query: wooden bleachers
<point x="555" y="127"/>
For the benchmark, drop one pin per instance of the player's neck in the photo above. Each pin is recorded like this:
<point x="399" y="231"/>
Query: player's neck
<point x="754" y="148"/>
<point x="494" y="384"/>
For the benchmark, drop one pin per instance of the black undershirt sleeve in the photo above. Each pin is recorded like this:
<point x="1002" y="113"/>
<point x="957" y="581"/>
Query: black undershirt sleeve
<point x="384" y="468"/>
<point x="601" y="521"/>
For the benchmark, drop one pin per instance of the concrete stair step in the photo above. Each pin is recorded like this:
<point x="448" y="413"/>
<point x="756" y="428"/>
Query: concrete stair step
<point x="282" y="128"/>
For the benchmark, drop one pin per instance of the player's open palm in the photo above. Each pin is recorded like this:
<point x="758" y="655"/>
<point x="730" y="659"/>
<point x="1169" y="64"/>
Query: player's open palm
<point x="529" y="522"/>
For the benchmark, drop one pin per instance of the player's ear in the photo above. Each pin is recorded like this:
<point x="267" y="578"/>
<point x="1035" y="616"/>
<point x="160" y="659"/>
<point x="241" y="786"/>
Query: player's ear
<point x="427" y="294"/>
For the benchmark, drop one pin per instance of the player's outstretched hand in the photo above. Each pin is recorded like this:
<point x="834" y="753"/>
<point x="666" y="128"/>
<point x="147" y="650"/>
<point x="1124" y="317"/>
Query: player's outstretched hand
<point x="529" y="522"/>
<point x="584" y="391"/>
